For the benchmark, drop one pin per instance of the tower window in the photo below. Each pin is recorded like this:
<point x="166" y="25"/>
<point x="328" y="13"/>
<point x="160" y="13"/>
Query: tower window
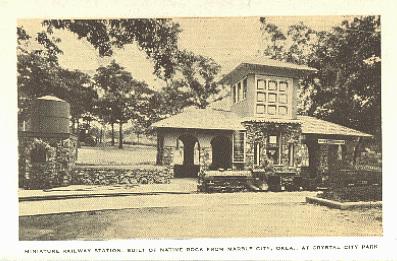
<point x="239" y="92"/>
<point x="245" y="88"/>
<point x="234" y="94"/>
<point x="273" y="97"/>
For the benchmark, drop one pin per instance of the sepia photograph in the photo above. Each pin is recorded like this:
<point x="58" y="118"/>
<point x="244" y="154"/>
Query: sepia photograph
<point x="199" y="127"/>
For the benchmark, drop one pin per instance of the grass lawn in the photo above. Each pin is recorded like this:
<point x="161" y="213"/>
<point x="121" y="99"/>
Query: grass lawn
<point x="129" y="155"/>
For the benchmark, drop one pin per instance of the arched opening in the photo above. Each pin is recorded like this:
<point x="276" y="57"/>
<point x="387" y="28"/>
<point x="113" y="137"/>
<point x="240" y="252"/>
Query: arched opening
<point x="221" y="152"/>
<point x="187" y="156"/>
<point x="38" y="155"/>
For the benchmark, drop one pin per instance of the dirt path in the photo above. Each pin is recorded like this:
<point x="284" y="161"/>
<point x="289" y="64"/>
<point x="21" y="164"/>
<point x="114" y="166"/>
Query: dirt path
<point x="203" y="215"/>
<point x="161" y="200"/>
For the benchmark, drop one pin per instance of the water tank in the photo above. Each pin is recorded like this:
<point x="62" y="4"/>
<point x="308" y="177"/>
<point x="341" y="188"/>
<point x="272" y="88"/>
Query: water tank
<point x="50" y="115"/>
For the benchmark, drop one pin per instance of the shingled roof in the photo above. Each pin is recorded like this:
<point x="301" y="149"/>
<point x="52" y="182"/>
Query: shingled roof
<point x="202" y="119"/>
<point x="211" y="119"/>
<point x="311" y="125"/>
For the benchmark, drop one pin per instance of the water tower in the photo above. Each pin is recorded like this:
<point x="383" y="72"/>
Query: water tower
<point x="47" y="148"/>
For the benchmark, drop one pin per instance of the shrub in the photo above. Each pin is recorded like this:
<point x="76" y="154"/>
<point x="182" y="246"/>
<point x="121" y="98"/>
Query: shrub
<point x="361" y="193"/>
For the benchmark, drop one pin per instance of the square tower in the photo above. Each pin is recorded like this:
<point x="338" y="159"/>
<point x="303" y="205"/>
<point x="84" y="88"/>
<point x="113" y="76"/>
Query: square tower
<point x="265" y="88"/>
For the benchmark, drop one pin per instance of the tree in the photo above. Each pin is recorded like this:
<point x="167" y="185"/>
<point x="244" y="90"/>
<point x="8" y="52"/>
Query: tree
<point x="198" y="74"/>
<point x="37" y="70"/>
<point x="274" y="38"/>
<point x="121" y="98"/>
<point x="80" y="93"/>
<point x="156" y="37"/>
<point x="39" y="74"/>
<point x="188" y="76"/>
<point x="193" y="84"/>
<point x="346" y="89"/>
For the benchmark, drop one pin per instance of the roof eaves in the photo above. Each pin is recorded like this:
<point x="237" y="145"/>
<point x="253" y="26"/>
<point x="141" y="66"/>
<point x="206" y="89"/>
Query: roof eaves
<point x="313" y="126"/>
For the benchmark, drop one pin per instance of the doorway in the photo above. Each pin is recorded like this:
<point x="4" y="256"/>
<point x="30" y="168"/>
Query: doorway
<point x="221" y="152"/>
<point x="187" y="157"/>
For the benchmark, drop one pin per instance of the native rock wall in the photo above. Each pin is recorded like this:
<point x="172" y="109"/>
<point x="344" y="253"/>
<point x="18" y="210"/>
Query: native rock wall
<point x="46" y="162"/>
<point x="113" y="175"/>
<point x="289" y="134"/>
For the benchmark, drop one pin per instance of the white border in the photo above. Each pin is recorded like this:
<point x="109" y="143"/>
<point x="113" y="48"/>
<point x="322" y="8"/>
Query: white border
<point x="11" y="248"/>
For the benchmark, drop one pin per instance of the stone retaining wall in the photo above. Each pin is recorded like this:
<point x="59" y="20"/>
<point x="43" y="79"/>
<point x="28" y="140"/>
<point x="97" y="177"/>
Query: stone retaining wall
<point x="112" y="175"/>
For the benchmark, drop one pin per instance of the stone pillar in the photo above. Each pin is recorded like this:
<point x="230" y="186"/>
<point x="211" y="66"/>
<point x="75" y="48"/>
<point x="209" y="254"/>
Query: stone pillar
<point x="249" y="153"/>
<point x="348" y="159"/>
<point x="298" y="155"/>
<point x="323" y="158"/>
<point x="160" y="144"/>
<point x="284" y="148"/>
<point x="205" y="157"/>
<point x="168" y="156"/>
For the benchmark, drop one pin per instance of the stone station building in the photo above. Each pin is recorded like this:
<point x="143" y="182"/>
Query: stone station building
<point x="256" y="126"/>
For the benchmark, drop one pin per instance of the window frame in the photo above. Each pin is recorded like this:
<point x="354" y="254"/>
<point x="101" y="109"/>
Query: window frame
<point x="243" y="147"/>
<point x="257" y="153"/>
<point x="286" y="92"/>
<point x="245" y="87"/>
<point x="277" y="146"/>
<point x="240" y="90"/>
<point x="291" y="154"/>
<point x="234" y="87"/>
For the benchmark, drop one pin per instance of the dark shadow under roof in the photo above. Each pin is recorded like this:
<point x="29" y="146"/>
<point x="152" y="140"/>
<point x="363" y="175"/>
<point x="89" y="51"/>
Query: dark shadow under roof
<point x="265" y="65"/>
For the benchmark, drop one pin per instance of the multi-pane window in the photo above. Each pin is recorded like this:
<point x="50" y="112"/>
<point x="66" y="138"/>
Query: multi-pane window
<point x="238" y="146"/>
<point x="291" y="151"/>
<point x="272" y="149"/>
<point x="245" y="88"/>
<point x="234" y="94"/>
<point x="272" y="97"/>
<point x="240" y="90"/>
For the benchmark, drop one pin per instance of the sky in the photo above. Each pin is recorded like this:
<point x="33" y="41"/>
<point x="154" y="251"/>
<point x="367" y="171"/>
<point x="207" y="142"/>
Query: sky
<point x="228" y="40"/>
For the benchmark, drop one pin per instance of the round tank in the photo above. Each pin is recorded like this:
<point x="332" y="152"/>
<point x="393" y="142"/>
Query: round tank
<point x="50" y="115"/>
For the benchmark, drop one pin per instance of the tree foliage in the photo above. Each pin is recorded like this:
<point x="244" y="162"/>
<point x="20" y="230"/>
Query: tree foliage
<point x="347" y="87"/>
<point x="193" y="85"/>
<point x="157" y="37"/>
<point x="122" y="98"/>
<point x="39" y="74"/>
<point x="189" y="77"/>
<point x="198" y="74"/>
